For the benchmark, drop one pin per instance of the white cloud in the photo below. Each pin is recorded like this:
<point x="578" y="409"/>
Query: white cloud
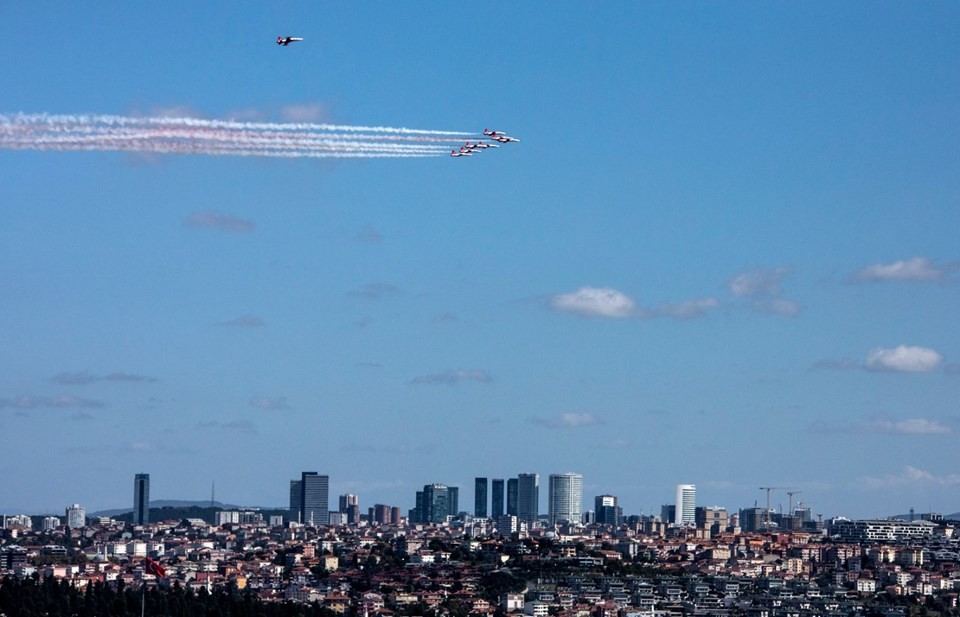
<point x="84" y="378"/>
<point x="272" y="403"/>
<point x="763" y="287"/>
<point x="368" y="235"/>
<point x="688" y="309"/>
<point x="570" y="419"/>
<point x="453" y="377"/>
<point x="218" y="221"/>
<point x="911" y="476"/>
<point x="759" y="282"/>
<point x="915" y="269"/>
<point x="376" y="291"/>
<point x="836" y="364"/>
<point x="913" y="426"/>
<point x="245" y="321"/>
<point x="304" y="112"/>
<point x="903" y="359"/>
<point x="778" y="306"/>
<point x="594" y="302"/>
<point x="64" y="401"/>
<point x="244" y="426"/>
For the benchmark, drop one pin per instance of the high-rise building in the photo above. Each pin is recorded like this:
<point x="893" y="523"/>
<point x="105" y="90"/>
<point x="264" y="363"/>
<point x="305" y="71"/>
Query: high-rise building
<point x="496" y="498"/>
<point x="480" y="497"/>
<point x="315" y="498"/>
<point x="350" y="506"/>
<point x="433" y="504"/>
<point x="453" y="504"/>
<point x="565" y="495"/>
<point x="296" y="501"/>
<point x="348" y="500"/>
<point x="381" y="514"/>
<point x="141" y="499"/>
<point x="513" y="496"/>
<point x="607" y="510"/>
<point x="76" y="516"/>
<point x="713" y="518"/>
<point x="685" y="513"/>
<point x="528" y="497"/>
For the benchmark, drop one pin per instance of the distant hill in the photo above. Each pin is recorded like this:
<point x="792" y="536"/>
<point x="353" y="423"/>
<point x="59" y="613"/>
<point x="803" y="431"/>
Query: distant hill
<point x="169" y="503"/>
<point x="916" y="516"/>
<point x="178" y="513"/>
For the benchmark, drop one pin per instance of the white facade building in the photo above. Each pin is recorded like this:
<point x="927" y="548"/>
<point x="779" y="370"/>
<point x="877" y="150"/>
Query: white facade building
<point x="566" y="497"/>
<point x="686" y="505"/>
<point x="76" y="516"/>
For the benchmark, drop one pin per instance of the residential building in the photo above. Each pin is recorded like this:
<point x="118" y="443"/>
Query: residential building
<point x="76" y="516"/>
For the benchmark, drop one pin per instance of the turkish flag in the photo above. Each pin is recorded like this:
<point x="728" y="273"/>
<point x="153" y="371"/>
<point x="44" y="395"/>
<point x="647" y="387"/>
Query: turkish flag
<point x="156" y="569"/>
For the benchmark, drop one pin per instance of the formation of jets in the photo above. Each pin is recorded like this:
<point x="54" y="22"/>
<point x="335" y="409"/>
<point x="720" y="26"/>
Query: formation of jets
<point x="287" y="40"/>
<point x="470" y="149"/>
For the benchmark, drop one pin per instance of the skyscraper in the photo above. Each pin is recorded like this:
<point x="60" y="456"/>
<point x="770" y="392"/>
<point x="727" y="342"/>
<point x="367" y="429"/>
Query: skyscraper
<point x="513" y="498"/>
<point x="433" y="504"/>
<point x="350" y="505"/>
<point x="480" y="497"/>
<point x="566" y="497"/>
<point x="686" y="505"/>
<point x="315" y="498"/>
<point x="453" y="500"/>
<point x="607" y="510"/>
<point x="496" y="498"/>
<point x="296" y="501"/>
<point x="141" y="499"/>
<point x="348" y="500"/>
<point x="528" y="496"/>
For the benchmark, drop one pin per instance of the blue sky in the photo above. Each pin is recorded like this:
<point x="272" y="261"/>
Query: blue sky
<point x="724" y="253"/>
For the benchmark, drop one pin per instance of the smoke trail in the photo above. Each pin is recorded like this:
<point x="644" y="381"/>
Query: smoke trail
<point x="50" y="132"/>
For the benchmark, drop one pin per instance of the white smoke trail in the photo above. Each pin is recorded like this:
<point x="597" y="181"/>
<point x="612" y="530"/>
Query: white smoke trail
<point x="50" y="132"/>
<point x="226" y="124"/>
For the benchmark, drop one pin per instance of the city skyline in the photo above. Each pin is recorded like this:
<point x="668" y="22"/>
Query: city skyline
<point x="565" y="496"/>
<point x="724" y="252"/>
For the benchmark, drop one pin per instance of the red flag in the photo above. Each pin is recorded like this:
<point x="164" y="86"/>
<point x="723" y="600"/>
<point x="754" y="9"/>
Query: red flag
<point x="156" y="569"/>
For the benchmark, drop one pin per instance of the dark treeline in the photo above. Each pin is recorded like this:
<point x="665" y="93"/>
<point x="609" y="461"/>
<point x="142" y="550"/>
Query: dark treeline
<point x="35" y="597"/>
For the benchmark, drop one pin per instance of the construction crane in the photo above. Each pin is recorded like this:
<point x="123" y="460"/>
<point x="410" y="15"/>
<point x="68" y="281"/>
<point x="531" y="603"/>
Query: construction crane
<point x="791" y="494"/>
<point x="766" y="514"/>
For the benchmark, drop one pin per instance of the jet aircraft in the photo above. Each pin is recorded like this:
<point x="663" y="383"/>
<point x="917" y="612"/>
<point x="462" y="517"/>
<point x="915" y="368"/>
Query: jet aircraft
<point x="462" y="152"/>
<point x="498" y="136"/>
<point x="286" y="41"/>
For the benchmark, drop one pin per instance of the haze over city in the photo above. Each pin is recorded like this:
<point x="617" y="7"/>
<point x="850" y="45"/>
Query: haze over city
<point x="724" y="253"/>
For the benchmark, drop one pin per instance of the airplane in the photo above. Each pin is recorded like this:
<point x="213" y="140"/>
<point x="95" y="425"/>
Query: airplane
<point x="462" y="152"/>
<point x="286" y="41"/>
<point x="498" y="136"/>
<point x="480" y="146"/>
